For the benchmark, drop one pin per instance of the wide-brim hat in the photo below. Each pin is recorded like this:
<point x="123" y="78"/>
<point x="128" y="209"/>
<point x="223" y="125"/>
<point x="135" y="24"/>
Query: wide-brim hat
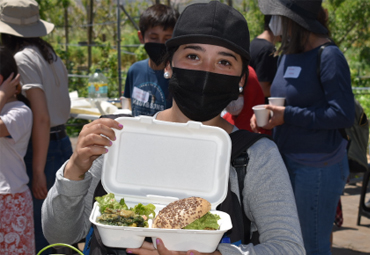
<point x="212" y="23"/>
<point x="21" y="18"/>
<point x="303" y="12"/>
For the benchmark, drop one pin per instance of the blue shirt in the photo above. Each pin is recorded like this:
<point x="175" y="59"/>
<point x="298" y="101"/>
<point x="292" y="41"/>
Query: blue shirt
<point x="147" y="89"/>
<point x="314" y="112"/>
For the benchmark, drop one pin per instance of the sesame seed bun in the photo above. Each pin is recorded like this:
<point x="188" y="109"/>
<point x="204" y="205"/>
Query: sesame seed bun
<point x="181" y="213"/>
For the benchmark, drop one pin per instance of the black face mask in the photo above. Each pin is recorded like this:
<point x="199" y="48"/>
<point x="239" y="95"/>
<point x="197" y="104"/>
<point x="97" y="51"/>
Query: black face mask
<point x="201" y="95"/>
<point x="156" y="52"/>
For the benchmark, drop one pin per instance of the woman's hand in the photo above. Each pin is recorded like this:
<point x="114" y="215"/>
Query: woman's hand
<point x="253" y="124"/>
<point x="9" y="86"/>
<point x="276" y="120"/>
<point x="93" y="139"/>
<point x="148" y="249"/>
<point x="39" y="186"/>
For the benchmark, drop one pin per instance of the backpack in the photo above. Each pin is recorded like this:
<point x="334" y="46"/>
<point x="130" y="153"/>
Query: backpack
<point x="357" y="135"/>
<point x="240" y="233"/>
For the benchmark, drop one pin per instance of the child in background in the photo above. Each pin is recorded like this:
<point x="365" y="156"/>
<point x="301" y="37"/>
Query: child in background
<point x="16" y="209"/>
<point x="146" y="88"/>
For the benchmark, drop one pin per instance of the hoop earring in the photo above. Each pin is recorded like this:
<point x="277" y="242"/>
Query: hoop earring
<point x="166" y="75"/>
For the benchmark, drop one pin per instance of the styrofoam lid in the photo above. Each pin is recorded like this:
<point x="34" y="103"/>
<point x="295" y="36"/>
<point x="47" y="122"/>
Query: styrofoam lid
<point x="155" y="161"/>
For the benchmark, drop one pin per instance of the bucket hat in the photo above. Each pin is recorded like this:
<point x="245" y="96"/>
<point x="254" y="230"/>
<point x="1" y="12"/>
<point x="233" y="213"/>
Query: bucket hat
<point x="21" y="18"/>
<point x="212" y="23"/>
<point x="303" y="12"/>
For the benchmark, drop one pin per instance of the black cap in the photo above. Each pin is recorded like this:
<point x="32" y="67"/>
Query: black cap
<point x="212" y="23"/>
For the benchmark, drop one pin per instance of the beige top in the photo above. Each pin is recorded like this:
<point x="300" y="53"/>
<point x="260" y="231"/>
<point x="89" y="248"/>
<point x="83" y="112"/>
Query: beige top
<point x="51" y="78"/>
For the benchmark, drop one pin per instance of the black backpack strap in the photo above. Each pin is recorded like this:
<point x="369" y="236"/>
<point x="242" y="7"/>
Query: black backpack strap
<point x="318" y="70"/>
<point x="241" y="141"/>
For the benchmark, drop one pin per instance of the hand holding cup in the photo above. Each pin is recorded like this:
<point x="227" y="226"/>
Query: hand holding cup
<point x="262" y="114"/>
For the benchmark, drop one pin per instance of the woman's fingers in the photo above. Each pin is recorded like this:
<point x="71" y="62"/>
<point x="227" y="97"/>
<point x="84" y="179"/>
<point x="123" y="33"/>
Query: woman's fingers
<point x="253" y="124"/>
<point x="277" y="118"/>
<point x="99" y="133"/>
<point x="9" y="86"/>
<point x="92" y="142"/>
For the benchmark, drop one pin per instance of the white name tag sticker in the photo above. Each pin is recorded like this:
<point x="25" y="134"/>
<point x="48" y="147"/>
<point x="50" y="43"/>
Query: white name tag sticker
<point x="292" y="72"/>
<point x="140" y="95"/>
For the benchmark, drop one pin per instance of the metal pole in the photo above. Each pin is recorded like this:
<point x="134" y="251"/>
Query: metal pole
<point x="129" y="17"/>
<point x="89" y="33"/>
<point x="119" y="48"/>
<point x="66" y="34"/>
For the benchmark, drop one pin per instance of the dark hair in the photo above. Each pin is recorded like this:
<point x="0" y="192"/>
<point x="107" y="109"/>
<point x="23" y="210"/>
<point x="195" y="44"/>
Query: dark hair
<point x="7" y="63"/>
<point x="158" y="15"/>
<point x="267" y="22"/>
<point x="295" y="37"/>
<point x="15" y="44"/>
<point x="9" y="66"/>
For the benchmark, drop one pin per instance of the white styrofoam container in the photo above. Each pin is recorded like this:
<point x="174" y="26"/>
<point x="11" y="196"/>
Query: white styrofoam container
<point x="173" y="239"/>
<point x="159" y="162"/>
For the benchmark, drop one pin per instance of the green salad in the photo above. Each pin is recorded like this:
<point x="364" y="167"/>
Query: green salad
<point x="206" y="222"/>
<point x="118" y="214"/>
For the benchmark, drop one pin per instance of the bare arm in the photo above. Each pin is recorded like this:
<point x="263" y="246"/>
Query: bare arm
<point x="40" y="140"/>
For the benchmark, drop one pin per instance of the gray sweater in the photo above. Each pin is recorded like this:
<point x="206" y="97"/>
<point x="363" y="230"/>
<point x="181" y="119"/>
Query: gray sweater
<point x="268" y="202"/>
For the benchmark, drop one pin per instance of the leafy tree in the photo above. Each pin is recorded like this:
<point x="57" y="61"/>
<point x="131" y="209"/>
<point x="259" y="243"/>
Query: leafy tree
<point x="350" y="29"/>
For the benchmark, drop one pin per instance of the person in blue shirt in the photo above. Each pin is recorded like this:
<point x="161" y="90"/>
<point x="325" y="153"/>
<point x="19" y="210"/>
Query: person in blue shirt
<point x="318" y="105"/>
<point x="146" y="88"/>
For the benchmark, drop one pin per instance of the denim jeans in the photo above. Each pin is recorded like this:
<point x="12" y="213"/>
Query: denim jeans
<point x="58" y="152"/>
<point x="317" y="191"/>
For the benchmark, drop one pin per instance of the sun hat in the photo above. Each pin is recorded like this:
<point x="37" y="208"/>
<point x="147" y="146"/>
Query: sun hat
<point x="212" y="23"/>
<point x="21" y="18"/>
<point x="303" y="12"/>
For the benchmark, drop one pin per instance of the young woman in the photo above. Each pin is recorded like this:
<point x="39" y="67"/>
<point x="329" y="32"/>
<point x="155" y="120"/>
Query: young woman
<point x="319" y="102"/>
<point x="208" y="63"/>
<point x="44" y="81"/>
<point x="16" y="210"/>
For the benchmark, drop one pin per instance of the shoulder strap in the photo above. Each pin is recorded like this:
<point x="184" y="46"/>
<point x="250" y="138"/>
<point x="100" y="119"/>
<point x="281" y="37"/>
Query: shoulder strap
<point x="342" y="131"/>
<point x="241" y="141"/>
<point x="318" y="70"/>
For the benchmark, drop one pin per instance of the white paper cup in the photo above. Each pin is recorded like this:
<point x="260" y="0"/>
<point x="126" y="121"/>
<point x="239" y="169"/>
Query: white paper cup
<point x="262" y="114"/>
<point x="278" y="101"/>
<point x="125" y="103"/>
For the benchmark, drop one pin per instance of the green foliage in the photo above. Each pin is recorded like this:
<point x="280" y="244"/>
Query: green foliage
<point x="253" y="16"/>
<point x="108" y="63"/>
<point x="74" y="126"/>
<point x="350" y="29"/>
<point x="141" y="53"/>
